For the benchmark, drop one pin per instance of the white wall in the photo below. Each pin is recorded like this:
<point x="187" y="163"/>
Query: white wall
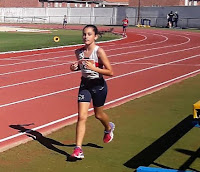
<point x="189" y="16"/>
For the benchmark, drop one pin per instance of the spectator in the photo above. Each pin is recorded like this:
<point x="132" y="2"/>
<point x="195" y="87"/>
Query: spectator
<point x="170" y="19"/>
<point x="125" y="25"/>
<point x="175" y="19"/>
<point x="64" y="21"/>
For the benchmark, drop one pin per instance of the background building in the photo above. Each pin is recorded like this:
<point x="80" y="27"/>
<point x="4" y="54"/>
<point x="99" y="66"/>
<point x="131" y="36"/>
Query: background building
<point x="62" y="3"/>
<point x="20" y="3"/>
<point x="162" y="3"/>
<point x="70" y="3"/>
<point x="96" y="3"/>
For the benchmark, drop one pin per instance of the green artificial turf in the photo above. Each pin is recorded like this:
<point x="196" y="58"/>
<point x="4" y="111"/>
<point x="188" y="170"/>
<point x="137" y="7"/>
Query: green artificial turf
<point x="155" y="129"/>
<point x="14" y="41"/>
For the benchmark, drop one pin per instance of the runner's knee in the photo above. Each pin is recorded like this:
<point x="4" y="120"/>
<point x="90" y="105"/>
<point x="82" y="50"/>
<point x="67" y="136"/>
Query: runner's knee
<point x="82" y="117"/>
<point x="99" y="116"/>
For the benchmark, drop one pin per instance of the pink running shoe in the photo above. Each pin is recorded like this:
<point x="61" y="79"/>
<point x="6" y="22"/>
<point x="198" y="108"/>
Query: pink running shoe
<point x="108" y="135"/>
<point x="78" y="153"/>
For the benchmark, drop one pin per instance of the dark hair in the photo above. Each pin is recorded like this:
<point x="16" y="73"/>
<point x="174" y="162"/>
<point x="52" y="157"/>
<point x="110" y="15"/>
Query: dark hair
<point x="93" y="27"/>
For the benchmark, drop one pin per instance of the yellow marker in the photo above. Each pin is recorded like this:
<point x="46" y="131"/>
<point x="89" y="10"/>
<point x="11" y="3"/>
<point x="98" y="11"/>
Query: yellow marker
<point x="56" y="39"/>
<point x="196" y="110"/>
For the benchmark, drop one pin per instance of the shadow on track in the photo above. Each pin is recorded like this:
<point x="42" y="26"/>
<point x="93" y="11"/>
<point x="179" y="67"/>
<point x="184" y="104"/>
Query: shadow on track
<point x="48" y="142"/>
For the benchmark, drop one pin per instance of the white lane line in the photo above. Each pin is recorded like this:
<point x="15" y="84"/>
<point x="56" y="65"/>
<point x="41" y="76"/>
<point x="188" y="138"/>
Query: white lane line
<point x="34" y="61"/>
<point x="156" y="55"/>
<point x="136" y="46"/>
<point x="184" y="64"/>
<point x="19" y="57"/>
<point x="36" y="80"/>
<point x="51" y="48"/>
<point x="40" y="54"/>
<point x="113" y="63"/>
<point x="119" y="76"/>
<point x="156" y="66"/>
<point x="130" y="52"/>
<point x="107" y="103"/>
<point x="38" y="97"/>
<point x="157" y="48"/>
<point x="31" y="69"/>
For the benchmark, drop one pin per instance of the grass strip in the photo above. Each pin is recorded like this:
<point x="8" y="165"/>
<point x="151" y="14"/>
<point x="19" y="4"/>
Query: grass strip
<point x="14" y="41"/>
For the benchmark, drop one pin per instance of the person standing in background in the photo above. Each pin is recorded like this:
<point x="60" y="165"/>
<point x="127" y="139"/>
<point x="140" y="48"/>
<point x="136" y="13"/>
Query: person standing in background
<point x="170" y="19"/>
<point x="124" y="25"/>
<point x="64" y="21"/>
<point x="175" y="19"/>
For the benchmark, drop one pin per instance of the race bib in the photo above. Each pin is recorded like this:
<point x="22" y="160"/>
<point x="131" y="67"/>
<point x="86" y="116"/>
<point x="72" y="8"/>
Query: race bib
<point x="82" y="64"/>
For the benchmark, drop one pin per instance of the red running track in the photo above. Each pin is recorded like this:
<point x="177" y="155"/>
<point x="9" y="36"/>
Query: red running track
<point x="38" y="87"/>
